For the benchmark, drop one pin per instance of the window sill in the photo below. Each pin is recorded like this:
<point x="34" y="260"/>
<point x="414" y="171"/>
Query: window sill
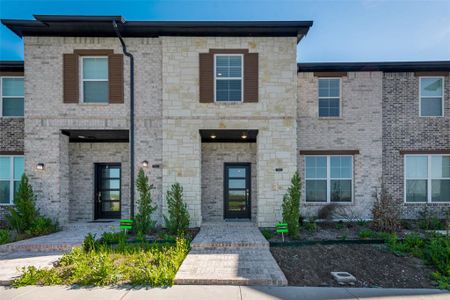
<point x="228" y="102"/>
<point x="326" y="203"/>
<point x="12" y="117"/>
<point x="6" y="204"/>
<point x="331" y="118"/>
<point x="93" y="104"/>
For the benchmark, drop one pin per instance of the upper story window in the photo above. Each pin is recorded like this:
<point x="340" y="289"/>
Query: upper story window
<point x="11" y="170"/>
<point x="329" y="178"/>
<point x="329" y="97"/>
<point x="431" y="96"/>
<point x="94" y="79"/>
<point x="427" y="178"/>
<point x="12" y="99"/>
<point x="228" y="70"/>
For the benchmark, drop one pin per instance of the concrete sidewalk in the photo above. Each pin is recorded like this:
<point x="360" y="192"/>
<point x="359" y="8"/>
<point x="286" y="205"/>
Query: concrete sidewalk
<point x="198" y="292"/>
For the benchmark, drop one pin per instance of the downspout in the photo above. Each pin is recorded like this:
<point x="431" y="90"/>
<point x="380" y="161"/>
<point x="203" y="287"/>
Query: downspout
<point x="131" y="131"/>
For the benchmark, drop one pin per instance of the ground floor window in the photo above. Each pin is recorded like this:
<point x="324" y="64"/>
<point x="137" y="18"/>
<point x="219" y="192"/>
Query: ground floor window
<point x="427" y="178"/>
<point x="329" y="178"/>
<point x="11" y="170"/>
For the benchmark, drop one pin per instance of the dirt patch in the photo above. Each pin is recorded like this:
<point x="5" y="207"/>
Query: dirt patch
<point x="372" y="265"/>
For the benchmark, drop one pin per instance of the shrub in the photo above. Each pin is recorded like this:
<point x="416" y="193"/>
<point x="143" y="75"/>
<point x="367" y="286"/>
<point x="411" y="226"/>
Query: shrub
<point x="429" y="221"/>
<point x="267" y="233"/>
<point x="178" y="220"/>
<point x="327" y="212"/>
<point x="24" y="217"/>
<point x="365" y="233"/>
<point x="4" y="236"/>
<point x="291" y="206"/>
<point x="311" y="225"/>
<point x="143" y="219"/>
<point x="386" y="213"/>
<point x="89" y="243"/>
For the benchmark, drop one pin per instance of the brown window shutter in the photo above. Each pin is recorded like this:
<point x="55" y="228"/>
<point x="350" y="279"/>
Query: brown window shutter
<point x="115" y="74"/>
<point x="251" y="77"/>
<point x="206" y="77"/>
<point x="70" y="81"/>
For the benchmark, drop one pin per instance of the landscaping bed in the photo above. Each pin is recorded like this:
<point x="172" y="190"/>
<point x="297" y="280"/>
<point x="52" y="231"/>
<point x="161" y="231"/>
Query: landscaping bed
<point x="372" y="265"/>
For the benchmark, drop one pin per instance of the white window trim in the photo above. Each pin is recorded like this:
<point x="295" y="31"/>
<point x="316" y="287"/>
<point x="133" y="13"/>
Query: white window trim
<point x="442" y="96"/>
<point x="11" y="179"/>
<point x="428" y="179"/>
<point x="229" y="78"/>
<point x="340" y="98"/>
<point x="329" y="178"/>
<point x="1" y="97"/>
<point x="82" y="80"/>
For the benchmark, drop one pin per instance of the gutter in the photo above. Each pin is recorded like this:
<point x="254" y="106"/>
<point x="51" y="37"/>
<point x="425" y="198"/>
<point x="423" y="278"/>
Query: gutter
<point x="131" y="131"/>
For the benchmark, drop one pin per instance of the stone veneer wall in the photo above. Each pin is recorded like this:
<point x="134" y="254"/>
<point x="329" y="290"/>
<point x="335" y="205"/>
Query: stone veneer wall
<point x="214" y="155"/>
<point x="46" y="114"/>
<point x="274" y="116"/>
<point x="82" y="159"/>
<point x="403" y="129"/>
<point x="358" y="128"/>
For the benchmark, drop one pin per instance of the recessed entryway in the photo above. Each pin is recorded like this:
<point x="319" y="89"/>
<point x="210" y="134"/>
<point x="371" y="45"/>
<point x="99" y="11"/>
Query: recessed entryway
<point x="107" y="196"/>
<point x="237" y="190"/>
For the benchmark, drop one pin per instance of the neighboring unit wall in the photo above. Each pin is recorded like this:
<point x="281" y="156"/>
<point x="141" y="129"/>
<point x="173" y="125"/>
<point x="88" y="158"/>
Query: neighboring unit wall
<point x="358" y="128"/>
<point x="82" y="159"/>
<point x="46" y="114"/>
<point x="274" y="116"/>
<point x="404" y="129"/>
<point x="214" y="156"/>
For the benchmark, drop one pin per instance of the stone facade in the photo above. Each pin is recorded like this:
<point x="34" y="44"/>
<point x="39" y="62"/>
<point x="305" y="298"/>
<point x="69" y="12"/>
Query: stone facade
<point x="214" y="155"/>
<point x="358" y="128"/>
<point x="82" y="159"/>
<point x="404" y="129"/>
<point x="274" y="116"/>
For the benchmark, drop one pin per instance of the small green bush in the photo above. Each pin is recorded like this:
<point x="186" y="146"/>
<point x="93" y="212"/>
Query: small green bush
<point x="89" y="243"/>
<point x="4" y="236"/>
<point x="143" y="219"/>
<point x="291" y="206"/>
<point x="311" y="225"/>
<point x="429" y="221"/>
<point x="24" y="217"/>
<point x="267" y="233"/>
<point x="339" y="225"/>
<point x="178" y="221"/>
<point x="366" y="233"/>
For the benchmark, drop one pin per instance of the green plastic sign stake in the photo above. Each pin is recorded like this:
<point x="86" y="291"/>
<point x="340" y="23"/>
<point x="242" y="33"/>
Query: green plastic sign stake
<point x="126" y="224"/>
<point x="282" y="228"/>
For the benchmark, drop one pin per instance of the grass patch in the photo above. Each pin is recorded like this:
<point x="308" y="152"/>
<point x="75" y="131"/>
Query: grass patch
<point x="98" y="263"/>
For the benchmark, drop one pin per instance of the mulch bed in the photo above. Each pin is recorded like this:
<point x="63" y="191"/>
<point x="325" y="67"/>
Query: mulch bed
<point x="372" y="265"/>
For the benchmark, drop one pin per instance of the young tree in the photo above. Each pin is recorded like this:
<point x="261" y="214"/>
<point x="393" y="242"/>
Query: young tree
<point x="291" y="206"/>
<point x="143" y="219"/>
<point x="178" y="220"/>
<point x="22" y="216"/>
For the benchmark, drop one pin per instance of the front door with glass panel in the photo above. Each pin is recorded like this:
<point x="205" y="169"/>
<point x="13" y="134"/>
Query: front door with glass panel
<point x="237" y="190"/>
<point x="107" y="191"/>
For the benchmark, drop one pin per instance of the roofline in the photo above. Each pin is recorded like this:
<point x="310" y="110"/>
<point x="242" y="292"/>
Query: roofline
<point x="11" y="65"/>
<point x="397" y="66"/>
<point x="100" y="26"/>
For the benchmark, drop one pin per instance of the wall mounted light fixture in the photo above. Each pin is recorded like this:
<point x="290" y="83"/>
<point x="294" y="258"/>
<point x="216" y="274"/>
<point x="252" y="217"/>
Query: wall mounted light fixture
<point x="40" y="166"/>
<point x="145" y="163"/>
<point x="244" y="135"/>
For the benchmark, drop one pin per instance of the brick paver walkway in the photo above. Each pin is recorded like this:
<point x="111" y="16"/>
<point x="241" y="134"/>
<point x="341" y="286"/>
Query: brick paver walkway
<point x="231" y="253"/>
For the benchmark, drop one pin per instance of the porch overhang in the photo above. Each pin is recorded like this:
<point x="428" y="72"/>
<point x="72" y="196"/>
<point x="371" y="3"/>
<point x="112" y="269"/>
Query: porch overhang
<point x="228" y="135"/>
<point x="96" y="135"/>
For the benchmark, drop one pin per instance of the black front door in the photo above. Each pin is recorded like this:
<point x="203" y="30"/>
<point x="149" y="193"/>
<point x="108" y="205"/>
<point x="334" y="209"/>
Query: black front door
<point x="237" y="190"/>
<point x="107" y="190"/>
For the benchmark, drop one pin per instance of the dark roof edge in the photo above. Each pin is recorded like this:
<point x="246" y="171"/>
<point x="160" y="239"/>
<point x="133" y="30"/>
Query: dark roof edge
<point x="11" y="65"/>
<point x="65" y="25"/>
<point x="400" y="66"/>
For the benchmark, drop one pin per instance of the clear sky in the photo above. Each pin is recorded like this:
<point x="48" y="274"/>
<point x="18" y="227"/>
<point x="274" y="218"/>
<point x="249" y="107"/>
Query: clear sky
<point x="343" y="30"/>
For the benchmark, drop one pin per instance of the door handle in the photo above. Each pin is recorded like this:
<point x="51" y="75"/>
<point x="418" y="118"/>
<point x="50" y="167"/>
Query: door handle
<point x="99" y="197"/>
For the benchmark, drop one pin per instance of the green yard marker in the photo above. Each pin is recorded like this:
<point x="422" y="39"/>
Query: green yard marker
<point x="282" y="228"/>
<point x="126" y="224"/>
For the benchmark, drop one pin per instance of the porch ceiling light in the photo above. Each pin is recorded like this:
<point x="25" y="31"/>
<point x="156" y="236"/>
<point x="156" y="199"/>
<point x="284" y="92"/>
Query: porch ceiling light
<point x="82" y="137"/>
<point x="40" y="166"/>
<point x="244" y="135"/>
<point x="213" y="136"/>
<point x="145" y="163"/>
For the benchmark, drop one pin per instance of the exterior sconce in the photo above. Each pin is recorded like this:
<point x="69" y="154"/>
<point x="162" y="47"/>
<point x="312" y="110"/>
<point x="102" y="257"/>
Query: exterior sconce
<point x="145" y="163"/>
<point x="40" y="166"/>
<point x="244" y="135"/>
